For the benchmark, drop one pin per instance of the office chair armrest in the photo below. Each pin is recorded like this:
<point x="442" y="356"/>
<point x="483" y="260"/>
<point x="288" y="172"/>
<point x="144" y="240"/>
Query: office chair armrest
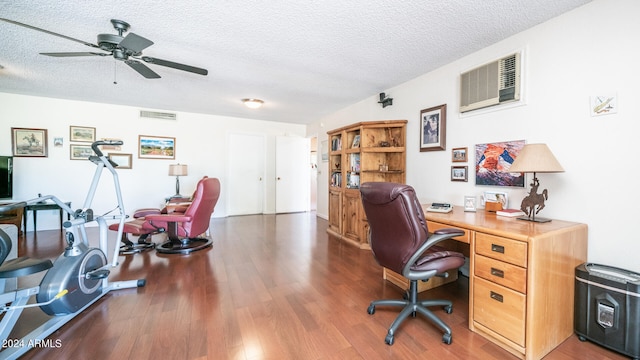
<point x="438" y="236"/>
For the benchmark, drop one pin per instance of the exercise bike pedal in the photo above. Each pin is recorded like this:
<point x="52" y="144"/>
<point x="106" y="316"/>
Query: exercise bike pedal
<point x="98" y="274"/>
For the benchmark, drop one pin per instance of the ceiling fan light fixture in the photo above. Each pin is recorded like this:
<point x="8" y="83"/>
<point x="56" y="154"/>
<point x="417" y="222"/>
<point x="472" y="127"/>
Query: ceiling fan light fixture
<point x="252" y="103"/>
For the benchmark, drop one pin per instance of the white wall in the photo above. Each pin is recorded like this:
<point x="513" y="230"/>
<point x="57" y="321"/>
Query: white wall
<point x="589" y="51"/>
<point x="200" y="143"/>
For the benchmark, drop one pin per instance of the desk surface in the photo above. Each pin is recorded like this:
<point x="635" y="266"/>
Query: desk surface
<point x="44" y="206"/>
<point x="493" y="224"/>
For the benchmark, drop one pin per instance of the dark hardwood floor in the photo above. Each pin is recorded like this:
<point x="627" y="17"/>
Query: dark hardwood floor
<point x="271" y="287"/>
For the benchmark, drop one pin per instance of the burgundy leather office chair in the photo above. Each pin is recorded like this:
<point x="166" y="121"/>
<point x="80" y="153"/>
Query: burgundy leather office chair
<point x="184" y="225"/>
<point x="401" y="242"/>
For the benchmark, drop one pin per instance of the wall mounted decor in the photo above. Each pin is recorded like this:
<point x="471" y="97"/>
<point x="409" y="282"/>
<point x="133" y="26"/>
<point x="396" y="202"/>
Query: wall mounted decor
<point x="80" y="152"/>
<point x="156" y="147"/>
<point x="459" y="154"/>
<point x="29" y="142"/>
<point x="82" y="134"/>
<point x="123" y="160"/>
<point x="459" y="173"/>
<point x="493" y="162"/>
<point x="433" y="123"/>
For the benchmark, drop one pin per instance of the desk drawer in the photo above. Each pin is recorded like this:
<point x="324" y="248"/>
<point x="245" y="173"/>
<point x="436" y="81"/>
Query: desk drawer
<point x="433" y="226"/>
<point x="499" y="309"/>
<point x="503" y="249"/>
<point x="511" y="276"/>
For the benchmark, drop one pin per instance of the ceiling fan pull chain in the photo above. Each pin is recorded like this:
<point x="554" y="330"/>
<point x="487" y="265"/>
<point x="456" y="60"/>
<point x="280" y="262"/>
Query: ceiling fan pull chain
<point x="115" y="66"/>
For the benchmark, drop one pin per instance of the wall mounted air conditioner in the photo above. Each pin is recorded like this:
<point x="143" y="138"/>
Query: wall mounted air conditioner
<point x="491" y="84"/>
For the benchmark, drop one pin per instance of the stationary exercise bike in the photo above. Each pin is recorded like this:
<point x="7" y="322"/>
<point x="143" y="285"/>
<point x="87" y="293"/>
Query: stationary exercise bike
<point x="77" y="278"/>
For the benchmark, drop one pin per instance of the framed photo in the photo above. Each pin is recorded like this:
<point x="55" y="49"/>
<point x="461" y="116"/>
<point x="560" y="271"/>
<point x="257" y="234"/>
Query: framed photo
<point x="156" y="147"/>
<point x="29" y="142"/>
<point x="82" y="134"/>
<point x="110" y="147"/>
<point x="493" y="161"/>
<point x="459" y="154"/>
<point x="433" y="125"/>
<point x="469" y="203"/>
<point x="459" y="173"/>
<point x="497" y="197"/>
<point x="80" y="152"/>
<point x="123" y="160"/>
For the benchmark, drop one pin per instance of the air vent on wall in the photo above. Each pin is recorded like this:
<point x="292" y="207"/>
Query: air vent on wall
<point x="491" y="84"/>
<point x="157" y="115"/>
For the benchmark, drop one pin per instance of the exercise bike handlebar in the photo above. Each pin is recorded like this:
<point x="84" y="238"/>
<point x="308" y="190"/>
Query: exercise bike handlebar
<point x="11" y="206"/>
<point x="97" y="150"/>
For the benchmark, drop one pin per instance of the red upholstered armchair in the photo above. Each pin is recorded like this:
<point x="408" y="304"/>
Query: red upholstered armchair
<point x="185" y="229"/>
<point x="183" y="224"/>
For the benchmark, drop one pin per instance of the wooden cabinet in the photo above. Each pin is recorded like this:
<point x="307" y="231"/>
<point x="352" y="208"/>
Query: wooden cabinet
<point x="521" y="278"/>
<point x="359" y="153"/>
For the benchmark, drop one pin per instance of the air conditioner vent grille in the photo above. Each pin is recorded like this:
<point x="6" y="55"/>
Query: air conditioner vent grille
<point x="491" y="84"/>
<point x="157" y="115"/>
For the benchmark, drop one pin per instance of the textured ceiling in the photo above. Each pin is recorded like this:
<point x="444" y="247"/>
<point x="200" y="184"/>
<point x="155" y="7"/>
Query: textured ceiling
<point x="304" y="59"/>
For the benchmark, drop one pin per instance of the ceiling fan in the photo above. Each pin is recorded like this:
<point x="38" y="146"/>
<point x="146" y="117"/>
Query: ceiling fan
<point x="128" y="49"/>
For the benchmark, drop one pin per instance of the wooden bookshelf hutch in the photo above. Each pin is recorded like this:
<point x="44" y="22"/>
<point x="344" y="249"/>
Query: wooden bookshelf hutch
<point x="359" y="153"/>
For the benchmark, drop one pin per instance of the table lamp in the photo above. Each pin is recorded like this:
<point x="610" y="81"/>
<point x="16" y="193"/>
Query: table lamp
<point x="535" y="158"/>
<point x="177" y="170"/>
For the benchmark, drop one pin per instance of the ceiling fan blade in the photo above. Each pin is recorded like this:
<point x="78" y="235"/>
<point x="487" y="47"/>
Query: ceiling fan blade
<point x="49" y="32"/>
<point x="70" y="54"/>
<point x="142" y="69"/>
<point x="175" y="65"/>
<point x="135" y="43"/>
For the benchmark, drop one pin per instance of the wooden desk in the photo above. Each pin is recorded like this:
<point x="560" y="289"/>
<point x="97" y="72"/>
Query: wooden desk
<point x="43" y="206"/>
<point x="521" y="278"/>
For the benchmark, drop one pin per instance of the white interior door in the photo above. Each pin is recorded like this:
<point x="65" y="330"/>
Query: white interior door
<point x="292" y="174"/>
<point x="245" y="187"/>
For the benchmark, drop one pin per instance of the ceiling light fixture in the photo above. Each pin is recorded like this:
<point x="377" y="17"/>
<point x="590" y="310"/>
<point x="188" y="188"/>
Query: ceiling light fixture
<point x="252" y="103"/>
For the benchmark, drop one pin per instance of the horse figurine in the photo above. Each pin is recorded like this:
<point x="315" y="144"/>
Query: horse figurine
<point x="528" y="205"/>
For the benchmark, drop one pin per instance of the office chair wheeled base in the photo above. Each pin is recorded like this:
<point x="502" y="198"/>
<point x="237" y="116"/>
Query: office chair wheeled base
<point x="184" y="246"/>
<point x="411" y="306"/>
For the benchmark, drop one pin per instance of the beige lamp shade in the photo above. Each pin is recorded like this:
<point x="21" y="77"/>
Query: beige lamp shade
<point x="178" y="170"/>
<point x="536" y="158"/>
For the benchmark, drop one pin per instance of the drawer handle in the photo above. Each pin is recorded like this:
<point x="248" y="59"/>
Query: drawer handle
<point x="497" y="248"/>
<point x="497" y="272"/>
<point x="496" y="296"/>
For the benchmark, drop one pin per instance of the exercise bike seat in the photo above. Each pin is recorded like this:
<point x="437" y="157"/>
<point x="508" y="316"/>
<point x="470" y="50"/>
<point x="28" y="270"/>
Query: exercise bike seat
<point x="21" y="266"/>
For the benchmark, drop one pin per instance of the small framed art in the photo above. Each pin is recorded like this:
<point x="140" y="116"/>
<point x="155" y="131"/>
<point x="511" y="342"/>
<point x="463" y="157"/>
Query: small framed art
<point x="469" y="203"/>
<point x="29" y="142"/>
<point x="82" y="134"/>
<point x="156" y="147"/>
<point x="433" y="128"/>
<point x="80" y="152"/>
<point x="123" y="160"/>
<point x="459" y="154"/>
<point x="459" y="173"/>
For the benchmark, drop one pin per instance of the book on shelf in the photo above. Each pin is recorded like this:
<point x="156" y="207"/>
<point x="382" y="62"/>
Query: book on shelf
<point x="510" y="212"/>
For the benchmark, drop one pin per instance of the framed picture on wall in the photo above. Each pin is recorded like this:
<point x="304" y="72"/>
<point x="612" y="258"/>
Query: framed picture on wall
<point x="459" y="173"/>
<point x="123" y="160"/>
<point x="80" y="152"/>
<point x="156" y="147"/>
<point x="29" y="142"/>
<point x="459" y="154"/>
<point x="433" y="124"/>
<point x="82" y="134"/>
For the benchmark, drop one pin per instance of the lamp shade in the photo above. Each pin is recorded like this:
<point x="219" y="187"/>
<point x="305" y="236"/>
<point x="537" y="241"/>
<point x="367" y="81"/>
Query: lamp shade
<point x="178" y="170"/>
<point x="536" y="158"/>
